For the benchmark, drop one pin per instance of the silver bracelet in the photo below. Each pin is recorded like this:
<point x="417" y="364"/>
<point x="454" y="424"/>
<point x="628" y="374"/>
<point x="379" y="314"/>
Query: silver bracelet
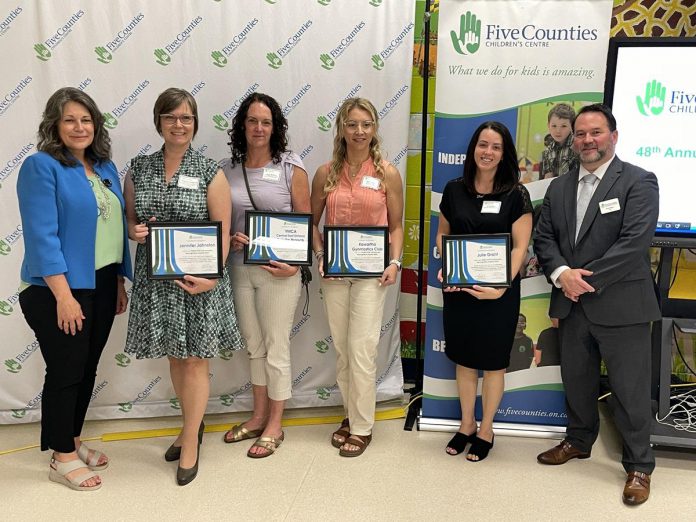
<point x="318" y="254"/>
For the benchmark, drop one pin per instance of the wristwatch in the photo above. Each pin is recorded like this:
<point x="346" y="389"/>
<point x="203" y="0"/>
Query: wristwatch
<point x="395" y="262"/>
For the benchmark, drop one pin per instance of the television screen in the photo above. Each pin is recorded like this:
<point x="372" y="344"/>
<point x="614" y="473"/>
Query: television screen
<point x="651" y="88"/>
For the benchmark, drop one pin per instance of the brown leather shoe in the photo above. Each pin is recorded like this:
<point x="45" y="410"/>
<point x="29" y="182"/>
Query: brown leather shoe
<point x="637" y="488"/>
<point x="561" y="454"/>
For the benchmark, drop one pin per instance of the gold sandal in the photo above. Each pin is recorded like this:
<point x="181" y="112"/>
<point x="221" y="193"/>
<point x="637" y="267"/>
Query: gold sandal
<point x="270" y="444"/>
<point x="239" y="433"/>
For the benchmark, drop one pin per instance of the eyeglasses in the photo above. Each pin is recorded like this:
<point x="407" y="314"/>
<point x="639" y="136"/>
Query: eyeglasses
<point x="353" y="126"/>
<point x="171" y="119"/>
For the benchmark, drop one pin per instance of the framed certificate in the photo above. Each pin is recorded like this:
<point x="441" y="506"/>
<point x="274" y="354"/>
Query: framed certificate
<point x="481" y="259"/>
<point x="355" y="251"/>
<point x="278" y="236"/>
<point x="175" y="249"/>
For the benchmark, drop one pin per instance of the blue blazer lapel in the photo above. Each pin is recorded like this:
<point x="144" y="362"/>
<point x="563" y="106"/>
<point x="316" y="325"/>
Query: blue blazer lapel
<point x="610" y="177"/>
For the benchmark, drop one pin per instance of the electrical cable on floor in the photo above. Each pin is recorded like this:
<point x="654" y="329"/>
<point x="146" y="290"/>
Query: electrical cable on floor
<point x="682" y="413"/>
<point x="676" y="269"/>
<point x="413" y="399"/>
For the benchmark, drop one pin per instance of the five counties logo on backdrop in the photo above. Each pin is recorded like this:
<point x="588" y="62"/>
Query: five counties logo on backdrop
<point x="472" y="33"/>
<point x="655" y="100"/>
<point x="43" y="49"/>
<point x="163" y="55"/>
<point x="105" y="52"/>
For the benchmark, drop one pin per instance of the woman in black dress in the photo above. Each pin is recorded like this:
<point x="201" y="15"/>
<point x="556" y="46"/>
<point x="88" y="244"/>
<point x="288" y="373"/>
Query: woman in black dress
<point x="479" y="322"/>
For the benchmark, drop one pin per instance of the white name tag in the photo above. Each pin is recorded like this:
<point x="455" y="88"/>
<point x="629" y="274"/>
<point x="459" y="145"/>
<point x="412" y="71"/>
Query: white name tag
<point x="188" y="182"/>
<point x="370" y="182"/>
<point x="490" y="207"/>
<point x="610" y="205"/>
<point x="271" y="175"/>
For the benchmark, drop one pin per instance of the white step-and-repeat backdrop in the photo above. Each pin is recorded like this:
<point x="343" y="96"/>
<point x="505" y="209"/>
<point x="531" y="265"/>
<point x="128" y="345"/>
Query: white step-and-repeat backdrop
<point x="310" y="55"/>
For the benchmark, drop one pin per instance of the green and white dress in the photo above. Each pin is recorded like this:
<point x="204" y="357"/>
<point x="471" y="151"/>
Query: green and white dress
<point x="164" y="319"/>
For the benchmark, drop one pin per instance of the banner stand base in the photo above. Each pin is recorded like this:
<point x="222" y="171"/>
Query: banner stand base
<point x="499" y="428"/>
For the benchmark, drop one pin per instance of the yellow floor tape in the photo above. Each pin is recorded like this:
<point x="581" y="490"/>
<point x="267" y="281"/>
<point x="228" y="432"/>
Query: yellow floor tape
<point x="393" y="413"/>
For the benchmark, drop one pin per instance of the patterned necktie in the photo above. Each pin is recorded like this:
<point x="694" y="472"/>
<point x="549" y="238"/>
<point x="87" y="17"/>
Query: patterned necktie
<point x="584" y="195"/>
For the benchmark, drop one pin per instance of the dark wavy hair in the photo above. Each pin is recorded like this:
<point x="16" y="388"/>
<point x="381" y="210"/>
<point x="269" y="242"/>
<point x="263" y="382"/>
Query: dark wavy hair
<point x="49" y="138"/>
<point x="507" y="174"/>
<point x="279" y="136"/>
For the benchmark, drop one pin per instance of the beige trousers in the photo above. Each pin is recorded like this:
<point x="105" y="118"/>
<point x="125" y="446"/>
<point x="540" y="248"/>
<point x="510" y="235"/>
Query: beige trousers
<point x="354" y="309"/>
<point x="265" y="307"/>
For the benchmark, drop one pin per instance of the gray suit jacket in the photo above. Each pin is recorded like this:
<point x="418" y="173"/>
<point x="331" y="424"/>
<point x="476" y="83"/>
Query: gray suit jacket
<point x="613" y="245"/>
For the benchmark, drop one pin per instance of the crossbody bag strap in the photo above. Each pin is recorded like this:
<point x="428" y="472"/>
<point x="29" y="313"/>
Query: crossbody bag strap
<point x="246" y="183"/>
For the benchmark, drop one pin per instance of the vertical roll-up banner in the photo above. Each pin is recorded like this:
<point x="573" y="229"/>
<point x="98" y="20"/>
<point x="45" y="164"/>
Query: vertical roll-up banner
<point x="309" y="57"/>
<point x="509" y="61"/>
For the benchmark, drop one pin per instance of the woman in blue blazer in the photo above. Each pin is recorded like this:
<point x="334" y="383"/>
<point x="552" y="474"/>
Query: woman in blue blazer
<point x="75" y="259"/>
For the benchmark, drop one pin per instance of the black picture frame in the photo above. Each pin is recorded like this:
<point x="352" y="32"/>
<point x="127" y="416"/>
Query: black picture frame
<point x="164" y="260"/>
<point x="455" y="269"/>
<point x="338" y="261"/>
<point x="257" y="222"/>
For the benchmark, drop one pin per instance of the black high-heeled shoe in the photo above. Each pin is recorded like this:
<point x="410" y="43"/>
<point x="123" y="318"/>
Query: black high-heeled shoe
<point x="174" y="452"/>
<point x="186" y="475"/>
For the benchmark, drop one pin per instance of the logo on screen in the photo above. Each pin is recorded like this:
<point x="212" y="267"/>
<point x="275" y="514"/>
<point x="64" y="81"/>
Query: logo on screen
<point x="468" y="40"/>
<point x="653" y="101"/>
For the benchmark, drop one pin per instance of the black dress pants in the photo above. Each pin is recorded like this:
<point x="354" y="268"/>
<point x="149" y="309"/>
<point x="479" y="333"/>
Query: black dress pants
<point x="71" y="360"/>
<point x="626" y="352"/>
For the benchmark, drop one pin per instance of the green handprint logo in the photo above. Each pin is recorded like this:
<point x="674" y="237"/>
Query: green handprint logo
<point x="469" y="36"/>
<point x="13" y="366"/>
<point x="219" y="59"/>
<point x="5" y="308"/>
<point x="4" y="248"/>
<point x="654" y="99"/>
<point x="110" y="121"/>
<point x="220" y="122"/>
<point x="103" y="55"/>
<point x="226" y="354"/>
<point x="327" y="61"/>
<point x="274" y="61"/>
<point x="226" y="400"/>
<point x="377" y="62"/>
<point x="375" y="3"/>
<point x="125" y="406"/>
<point x="162" y="57"/>
<point x="174" y="403"/>
<point x="42" y="52"/>
<point x="322" y="347"/>
<point x="19" y="414"/>
<point x="122" y="360"/>
<point x="324" y="2"/>
<point x="324" y="123"/>
<point x="323" y="393"/>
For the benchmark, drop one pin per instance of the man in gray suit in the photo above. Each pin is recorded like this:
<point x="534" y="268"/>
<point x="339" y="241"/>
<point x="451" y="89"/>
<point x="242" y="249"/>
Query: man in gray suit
<point x="592" y="241"/>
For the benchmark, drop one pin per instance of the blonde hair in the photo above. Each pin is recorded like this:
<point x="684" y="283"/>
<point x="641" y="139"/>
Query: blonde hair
<point x="339" y="148"/>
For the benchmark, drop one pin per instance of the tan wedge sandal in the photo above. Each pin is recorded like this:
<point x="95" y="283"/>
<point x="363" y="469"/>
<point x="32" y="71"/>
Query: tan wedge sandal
<point x="59" y="470"/>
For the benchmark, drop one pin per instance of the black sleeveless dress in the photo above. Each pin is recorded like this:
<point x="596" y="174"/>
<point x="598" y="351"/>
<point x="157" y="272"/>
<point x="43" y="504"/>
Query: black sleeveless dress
<point x="479" y="333"/>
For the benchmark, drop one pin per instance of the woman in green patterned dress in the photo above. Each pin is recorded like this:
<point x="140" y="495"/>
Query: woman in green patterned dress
<point x="190" y="320"/>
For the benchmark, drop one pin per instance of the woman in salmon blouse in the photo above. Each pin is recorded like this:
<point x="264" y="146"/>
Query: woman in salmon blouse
<point x="357" y="187"/>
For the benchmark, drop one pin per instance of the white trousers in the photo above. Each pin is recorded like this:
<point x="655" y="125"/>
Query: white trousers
<point x="354" y="308"/>
<point x="265" y="307"/>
